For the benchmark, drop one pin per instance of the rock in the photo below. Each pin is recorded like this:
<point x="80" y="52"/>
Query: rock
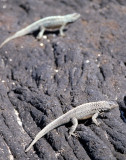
<point x="41" y="80"/>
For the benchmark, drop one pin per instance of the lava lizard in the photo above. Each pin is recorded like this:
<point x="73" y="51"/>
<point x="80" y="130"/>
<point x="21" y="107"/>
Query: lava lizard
<point x="48" y="23"/>
<point x="83" y="111"/>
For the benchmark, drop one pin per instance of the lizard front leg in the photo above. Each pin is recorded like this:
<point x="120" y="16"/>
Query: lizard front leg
<point x="73" y="127"/>
<point x="94" y="118"/>
<point x="40" y="35"/>
<point x="61" y="30"/>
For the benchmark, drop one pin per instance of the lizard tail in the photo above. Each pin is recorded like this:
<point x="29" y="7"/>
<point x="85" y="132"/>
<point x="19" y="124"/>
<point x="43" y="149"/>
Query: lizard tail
<point x="16" y="35"/>
<point x="10" y="38"/>
<point x="57" y="122"/>
<point x="7" y="40"/>
<point x="20" y="33"/>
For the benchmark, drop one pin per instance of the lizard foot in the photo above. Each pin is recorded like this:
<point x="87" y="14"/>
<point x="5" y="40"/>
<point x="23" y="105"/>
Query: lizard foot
<point x="73" y="134"/>
<point x="97" y="123"/>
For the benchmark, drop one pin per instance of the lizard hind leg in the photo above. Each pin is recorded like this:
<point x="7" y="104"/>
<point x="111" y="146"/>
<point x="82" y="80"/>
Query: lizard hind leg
<point x="40" y="35"/>
<point x="73" y="127"/>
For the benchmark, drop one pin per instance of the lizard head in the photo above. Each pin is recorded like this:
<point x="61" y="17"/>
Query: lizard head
<point x="73" y="17"/>
<point x="113" y="104"/>
<point x="108" y="105"/>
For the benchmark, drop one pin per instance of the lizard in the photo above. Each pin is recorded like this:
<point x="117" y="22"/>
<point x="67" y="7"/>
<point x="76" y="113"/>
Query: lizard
<point x="84" y="111"/>
<point x="50" y="23"/>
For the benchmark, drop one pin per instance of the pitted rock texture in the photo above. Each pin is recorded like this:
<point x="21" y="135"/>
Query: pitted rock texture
<point x="41" y="80"/>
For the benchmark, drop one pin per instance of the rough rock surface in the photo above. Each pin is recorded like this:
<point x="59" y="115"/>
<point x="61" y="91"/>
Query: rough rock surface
<point x="41" y="80"/>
